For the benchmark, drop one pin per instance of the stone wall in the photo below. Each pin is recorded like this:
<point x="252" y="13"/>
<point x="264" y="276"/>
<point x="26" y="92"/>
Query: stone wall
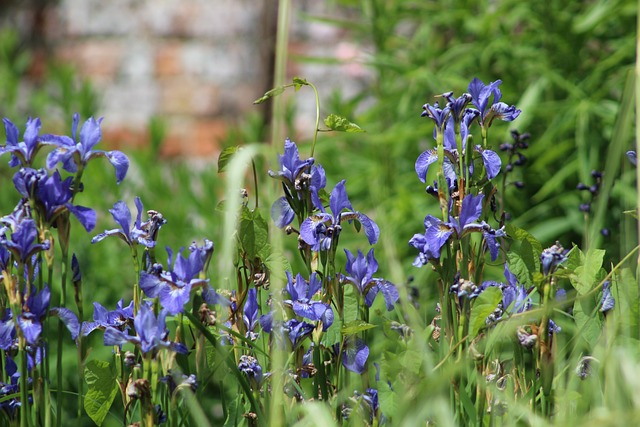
<point x="197" y="64"/>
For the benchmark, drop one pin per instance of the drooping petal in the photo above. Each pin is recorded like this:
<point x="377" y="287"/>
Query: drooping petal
<point x="151" y="284"/>
<point x="122" y="215"/>
<point x="424" y="161"/>
<point x="309" y="229"/>
<point x="371" y="229"/>
<point x="120" y="162"/>
<point x="354" y="355"/>
<point x="69" y="319"/>
<point x="86" y="216"/>
<point x="389" y="292"/>
<point x="282" y="213"/>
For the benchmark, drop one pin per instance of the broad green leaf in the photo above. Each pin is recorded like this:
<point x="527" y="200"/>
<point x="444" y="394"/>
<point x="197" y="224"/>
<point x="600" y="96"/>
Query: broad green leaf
<point x="103" y="387"/>
<point x="519" y="268"/>
<point x="332" y="335"/>
<point x="483" y="306"/>
<point x="625" y="291"/>
<point x="388" y="399"/>
<point x="412" y="358"/>
<point x="275" y="262"/>
<point x="270" y="94"/>
<point x="356" y="326"/>
<point x="521" y="234"/>
<point x="253" y="232"/>
<point x="589" y="327"/>
<point x="350" y="305"/>
<point x="340" y="124"/>
<point x="225" y="157"/>
<point x="585" y="275"/>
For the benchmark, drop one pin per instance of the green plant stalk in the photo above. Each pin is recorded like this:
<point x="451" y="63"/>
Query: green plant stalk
<point x="136" y="284"/>
<point x="279" y="75"/>
<point x="637" y="91"/>
<point x="63" y="237"/>
<point x="545" y="356"/>
<point x="442" y="183"/>
<point x="317" y="128"/>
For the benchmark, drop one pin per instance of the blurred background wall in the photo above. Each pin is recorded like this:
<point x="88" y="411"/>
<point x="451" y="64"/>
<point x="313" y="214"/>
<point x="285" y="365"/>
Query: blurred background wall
<point x="198" y="64"/>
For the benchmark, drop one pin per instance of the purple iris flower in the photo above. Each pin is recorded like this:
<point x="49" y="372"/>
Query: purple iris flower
<point x="608" y="302"/>
<point x="457" y="106"/>
<point x="151" y="333"/>
<point x="7" y="331"/>
<point x="139" y="233"/>
<point x="75" y="153"/>
<point x="319" y="230"/>
<point x="295" y="330"/>
<point x="36" y="309"/>
<point x="301" y="302"/>
<point x="120" y="318"/>
<point x="53" y="195"/>
<point x="552" y="257"/>
<point x="250" y="314"/>
<point x="250" y="366"/>
<point x="437" y="114"/>
<point x="173" y="288"/>
<point x="298" y="177"/>
<point x="361" y="270"/>
<point x="438" y="232"/>
<point x="354" y="354"/>
<point x="481" y="94"/>
<point x="490" y="159"/>
<point x="22" y="152"/>
<point x="23" y="241"/>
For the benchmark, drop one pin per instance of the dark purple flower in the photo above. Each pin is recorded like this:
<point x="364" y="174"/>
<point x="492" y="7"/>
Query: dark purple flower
<point x="120" y="318"/>
<point x="552" y="257"/>
<point x="608" y="302"/>
<point x="36" y="309"/>
<point x="151" y="333"/>
<point x="361" y="270"/>
<point x="301" y="302"/>
<point x="22" y="152"/>
<point x="319" y="230"/>
<point x="297" y="331"/>
<point x="249" y="366"/>
<point x="138" y="232"/>
<point x="75" y="153"/>
<point x="481" y="94"/>
<point x="438" y="115"/>
<point x="23" y="241"/>
<point x="173" y="288"/>
<point x="250" y="314"/>
<point x="52" y="195"/>
<point x="354" y="355"/>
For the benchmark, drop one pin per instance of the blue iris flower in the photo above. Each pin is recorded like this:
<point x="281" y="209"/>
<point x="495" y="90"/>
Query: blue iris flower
<point x="361" y="270"/>
<point x="137" y="233"/>
<point x="23" y="244"/>
<point x="298" y="177"/>
<point x="481" y="95"/>
<point x="22" y="152"/>
<point x="354" y="354"/>
<point x="438" y="232"/>
<point x="608" y="302"/>
<point x="301" y="302"/>
<point x="52" y="195"/>
<point x="151" y="333"/>
<point x="320" y="229"/>
<point x="120" y="318"/>
<point x="75" y="152"/>
<point x="173" y="288"/>
<point x="250" y="314"/>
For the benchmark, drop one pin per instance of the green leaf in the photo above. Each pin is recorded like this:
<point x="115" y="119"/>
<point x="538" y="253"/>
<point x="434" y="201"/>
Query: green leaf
<point x="356" y="326"/>
<point x="270" y="94"/>
<point x="350" y="305"/>
<point x="589" y="327"/>
<point x="625" y="291"/>
<point x="519" y="268"/>
<point x="483" y="306"/>
<point x="103" y="387"/>
<point x="332" y="335"/>
<point x="225" y="157"/>
<point x="586" y="275"/>
<point x="253" y="232"/>
<point x="388" y="400"/>
<point x="298" y="82"/>
<point x="340" y="124"/>
<point x="275" y="262"/>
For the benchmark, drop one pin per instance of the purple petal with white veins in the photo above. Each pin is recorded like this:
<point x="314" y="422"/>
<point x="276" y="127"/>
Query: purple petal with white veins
<point x="86" y="216"/>
<point x="281" y="212"/>
<point x="371" y="229"/>
<point x="90" y="133"/>
<point x="69" y="319"/>
<point x="423" y="162"/>
<point x="471" y="209"/>
<point x="354" y="355"/>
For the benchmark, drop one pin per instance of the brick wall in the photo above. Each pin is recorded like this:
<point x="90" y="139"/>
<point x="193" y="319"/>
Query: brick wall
<point x="198" y="64"/>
